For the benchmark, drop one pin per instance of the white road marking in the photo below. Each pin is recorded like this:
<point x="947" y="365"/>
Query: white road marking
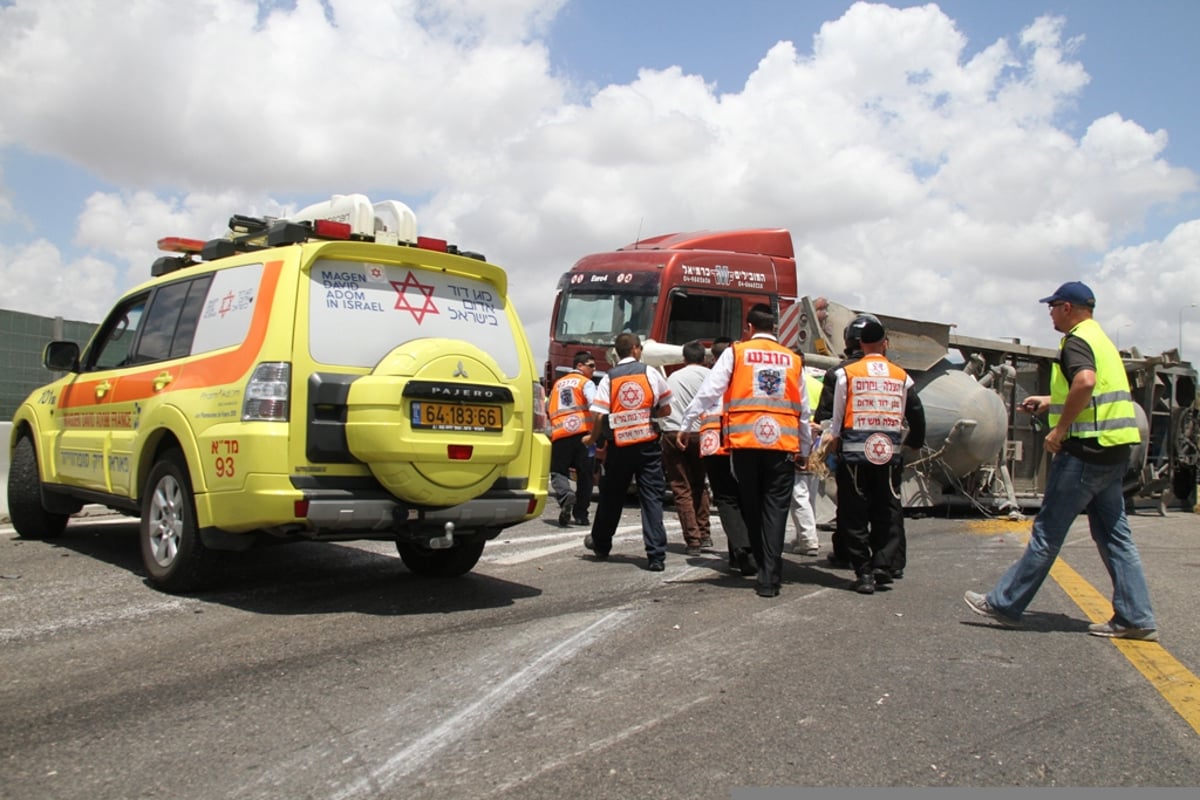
<point x="92" y="619"/>
<point x="624" y="534"/>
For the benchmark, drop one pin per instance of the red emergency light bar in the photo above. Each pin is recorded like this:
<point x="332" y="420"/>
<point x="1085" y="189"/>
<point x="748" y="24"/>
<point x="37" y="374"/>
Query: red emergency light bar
<point x="428" y="243"/>
<point x="178" y="244"/>
<point x="329" y="229"/>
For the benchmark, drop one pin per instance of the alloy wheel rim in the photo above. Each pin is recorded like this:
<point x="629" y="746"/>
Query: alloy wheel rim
<point x="166" y="521"/>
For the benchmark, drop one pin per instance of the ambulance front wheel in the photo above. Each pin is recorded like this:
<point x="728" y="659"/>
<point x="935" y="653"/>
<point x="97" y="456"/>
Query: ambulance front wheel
<point x="29" y="516"/>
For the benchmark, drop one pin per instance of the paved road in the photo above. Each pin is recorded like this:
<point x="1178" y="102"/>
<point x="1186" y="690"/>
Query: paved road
<point x="329" y="671"/>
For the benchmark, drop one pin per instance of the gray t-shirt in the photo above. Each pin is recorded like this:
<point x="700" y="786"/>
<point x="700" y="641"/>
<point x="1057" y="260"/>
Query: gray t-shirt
<point x="684" y="384"/>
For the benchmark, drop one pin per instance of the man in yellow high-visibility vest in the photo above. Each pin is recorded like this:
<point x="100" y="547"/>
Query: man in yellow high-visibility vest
<point x="1093" y="428"/>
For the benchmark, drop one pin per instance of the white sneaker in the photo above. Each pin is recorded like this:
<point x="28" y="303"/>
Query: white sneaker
<point x="1115" y="630"/>
<point x="979" y="604"/>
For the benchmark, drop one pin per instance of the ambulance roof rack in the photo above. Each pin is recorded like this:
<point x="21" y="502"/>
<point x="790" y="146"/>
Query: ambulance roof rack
<point x="343" y="217"/>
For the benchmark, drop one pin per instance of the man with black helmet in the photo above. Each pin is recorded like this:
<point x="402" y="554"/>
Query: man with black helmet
<point x="851" y="337"/>
<point x="872" y="402"/>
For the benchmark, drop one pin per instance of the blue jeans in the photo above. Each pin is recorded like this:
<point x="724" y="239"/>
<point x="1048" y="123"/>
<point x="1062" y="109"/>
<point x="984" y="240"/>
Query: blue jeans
<point x="1073" y="486"/>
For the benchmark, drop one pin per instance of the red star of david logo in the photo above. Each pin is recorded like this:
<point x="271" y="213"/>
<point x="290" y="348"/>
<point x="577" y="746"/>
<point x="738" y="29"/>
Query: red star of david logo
<point x="880" y="448"/>
<point x="402" y="302"/>
<point x="631" y="395"/>
<point x="767" y="430"/>
<point x="226" y="304"/>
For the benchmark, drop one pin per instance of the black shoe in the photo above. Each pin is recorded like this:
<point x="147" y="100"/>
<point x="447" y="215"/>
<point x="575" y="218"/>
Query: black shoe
<point x="564" y="513"/>
<point x="883" y="577"/>
<point x="766" y="591"/>
<point x="693" y="550"/>
<point x="590" y="544"/>
<point x="897" y="574"/>
<point x="746" y="563"/>
<point x="656" y="566"/>
<point x="864" y="584"/>
<point x="581" y="523"/>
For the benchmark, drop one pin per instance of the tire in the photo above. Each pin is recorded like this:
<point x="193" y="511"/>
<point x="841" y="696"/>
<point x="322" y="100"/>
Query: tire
<point x="457" y="560"/>
<point x="175" y="558"/>
<point x="1184" y="486"/>
<point x="29" y="517"/>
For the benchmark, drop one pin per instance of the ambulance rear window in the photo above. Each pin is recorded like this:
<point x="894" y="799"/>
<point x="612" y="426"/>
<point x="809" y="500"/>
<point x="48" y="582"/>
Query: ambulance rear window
<point x="359" y="312"/>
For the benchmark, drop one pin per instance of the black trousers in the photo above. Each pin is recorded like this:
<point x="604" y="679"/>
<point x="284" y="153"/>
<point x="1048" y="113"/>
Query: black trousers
<point x="765" y="480"/>
<point x="621" y="465"/>
<point x="724" y="490"/>
<point x="870" y="514"/>
<point x="565" y="454"/>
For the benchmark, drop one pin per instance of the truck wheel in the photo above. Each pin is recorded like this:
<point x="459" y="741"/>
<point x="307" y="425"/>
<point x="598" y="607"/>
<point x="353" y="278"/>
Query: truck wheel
<point x="172" y="552"/>
<point x="29" y="517"/>
<point x="1184" y="486"/>
<point x="450" y="563"/>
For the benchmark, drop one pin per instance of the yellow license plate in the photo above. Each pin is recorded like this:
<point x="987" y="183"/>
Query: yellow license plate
<point x="456" y="417"/>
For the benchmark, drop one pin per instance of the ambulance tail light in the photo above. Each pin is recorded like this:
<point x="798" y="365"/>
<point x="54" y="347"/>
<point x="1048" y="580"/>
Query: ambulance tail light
<point x="267" y="393"/>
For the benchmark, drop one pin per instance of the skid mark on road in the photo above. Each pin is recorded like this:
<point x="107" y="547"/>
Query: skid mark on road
<point x="427" y="747"/>
<point x="600" y="744"/>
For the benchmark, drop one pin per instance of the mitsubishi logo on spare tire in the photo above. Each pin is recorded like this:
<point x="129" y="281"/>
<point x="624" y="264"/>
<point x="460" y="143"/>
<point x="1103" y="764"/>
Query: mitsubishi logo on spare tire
<point x="459" y="372"/>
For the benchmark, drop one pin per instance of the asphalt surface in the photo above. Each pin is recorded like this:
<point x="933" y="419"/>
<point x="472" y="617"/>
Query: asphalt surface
<point x="329" y="671"/>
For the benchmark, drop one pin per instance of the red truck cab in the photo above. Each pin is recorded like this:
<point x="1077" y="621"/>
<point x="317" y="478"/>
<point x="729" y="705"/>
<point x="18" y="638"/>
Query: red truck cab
<point x="671" y="289"/>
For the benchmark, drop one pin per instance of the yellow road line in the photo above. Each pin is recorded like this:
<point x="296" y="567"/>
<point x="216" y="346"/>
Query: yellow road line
<point x="1173" y="680"/>
<point x="1166" y="674"/>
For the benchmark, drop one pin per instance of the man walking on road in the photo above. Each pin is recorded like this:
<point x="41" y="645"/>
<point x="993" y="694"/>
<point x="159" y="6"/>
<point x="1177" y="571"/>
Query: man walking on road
<point x="766" y="405"/>
<point x="684" y="469"/>
<point x="570" y="422"/>
<point x="627" y="400"/>
<point x="1093" y="428"/>
<point x="873" y="400"/>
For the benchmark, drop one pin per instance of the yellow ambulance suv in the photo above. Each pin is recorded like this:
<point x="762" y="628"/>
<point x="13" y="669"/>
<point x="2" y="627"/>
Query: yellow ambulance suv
<point x="326" y="376"/>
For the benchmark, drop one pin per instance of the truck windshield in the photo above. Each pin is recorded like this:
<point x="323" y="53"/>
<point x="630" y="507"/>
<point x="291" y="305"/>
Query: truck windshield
<point x="598" y="317"/>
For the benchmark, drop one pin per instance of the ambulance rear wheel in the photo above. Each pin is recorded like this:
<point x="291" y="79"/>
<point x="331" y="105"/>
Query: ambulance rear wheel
<point x="448" y="563"/>
<point x="172" y="551"/>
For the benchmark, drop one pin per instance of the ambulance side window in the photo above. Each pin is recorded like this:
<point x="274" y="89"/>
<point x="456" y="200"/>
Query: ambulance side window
<point x="112" y="346"/>
<point x="171" y="321"/>
<point x="159" y="328"/>
<point x="189" y="318"/>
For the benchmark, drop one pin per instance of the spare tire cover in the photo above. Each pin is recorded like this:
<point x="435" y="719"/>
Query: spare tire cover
<point x="424" y="403"/>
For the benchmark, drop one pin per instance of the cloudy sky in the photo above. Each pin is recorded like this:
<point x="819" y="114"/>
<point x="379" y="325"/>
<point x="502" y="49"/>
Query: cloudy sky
<point x="950" y="162"/>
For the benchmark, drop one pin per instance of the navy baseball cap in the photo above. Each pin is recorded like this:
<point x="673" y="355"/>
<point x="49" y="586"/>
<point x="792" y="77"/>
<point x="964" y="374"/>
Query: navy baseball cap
<point x="1073" y="292"/>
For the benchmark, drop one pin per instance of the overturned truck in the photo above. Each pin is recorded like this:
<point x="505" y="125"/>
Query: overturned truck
<point x="981" y="449"/>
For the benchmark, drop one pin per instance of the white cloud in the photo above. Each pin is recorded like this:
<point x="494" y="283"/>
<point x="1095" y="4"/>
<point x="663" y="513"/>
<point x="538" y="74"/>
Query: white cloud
<point x="916" y="181"/>
<point x="34" y="279"/>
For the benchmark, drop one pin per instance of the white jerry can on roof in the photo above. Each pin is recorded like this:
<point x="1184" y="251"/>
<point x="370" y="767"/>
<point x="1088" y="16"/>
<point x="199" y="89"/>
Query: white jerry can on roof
<point x="389" y="221"/>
